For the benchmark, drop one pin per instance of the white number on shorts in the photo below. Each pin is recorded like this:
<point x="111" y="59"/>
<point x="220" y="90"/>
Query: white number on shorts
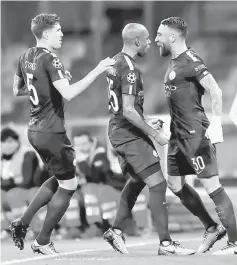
<point x="198" y="163"/>
<point x="30" y="87"/>
<point x="113" y="100"/>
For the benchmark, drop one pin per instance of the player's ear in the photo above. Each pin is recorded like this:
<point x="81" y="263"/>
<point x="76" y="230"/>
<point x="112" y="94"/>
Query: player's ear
<point x="45" y="35"/>
<point x="137" y="42"/>
<point x="172" y="38"/>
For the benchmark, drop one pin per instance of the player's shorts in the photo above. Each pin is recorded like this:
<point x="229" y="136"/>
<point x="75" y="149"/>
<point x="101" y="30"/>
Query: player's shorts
<point x="192" y="156"/>
<point x="56" y="151"/>
<point x="138" y="157"/>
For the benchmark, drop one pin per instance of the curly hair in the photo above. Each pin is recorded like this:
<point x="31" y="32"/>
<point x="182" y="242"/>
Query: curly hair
<point x="42" y="22"/>
<point x="176" y="23"/>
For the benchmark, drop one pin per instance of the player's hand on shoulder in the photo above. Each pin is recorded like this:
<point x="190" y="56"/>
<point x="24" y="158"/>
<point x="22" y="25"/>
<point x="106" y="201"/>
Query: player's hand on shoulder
<point x="105" y="65"/>
<point x="68" y="75"/>
<point x="161" y="138"/>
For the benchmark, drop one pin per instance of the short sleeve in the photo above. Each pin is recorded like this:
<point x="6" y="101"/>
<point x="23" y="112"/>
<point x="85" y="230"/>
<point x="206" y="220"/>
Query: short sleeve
<point x="129" y="81"/>
<point x="55" y="68"/>
<point x="197" y="67"/>
<point x="18" y="68"/>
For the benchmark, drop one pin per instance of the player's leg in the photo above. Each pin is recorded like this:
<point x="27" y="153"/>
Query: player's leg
<point x="193" y="156"/>
<point x="224" y="207"/>
<point x="45" y="193"/>
<point x="62" y="163"/>
<point x="128" y="199"/>
<point x="178" y="168"/>
<point x="143" y="159"/>
<point x="114" y="236"/>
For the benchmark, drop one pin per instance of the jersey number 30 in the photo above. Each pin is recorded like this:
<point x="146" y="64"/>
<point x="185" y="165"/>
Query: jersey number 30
<point x="34" y="97"/>
<point x="113" y="100"/>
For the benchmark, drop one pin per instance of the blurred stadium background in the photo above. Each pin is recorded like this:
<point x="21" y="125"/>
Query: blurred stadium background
<point x="92" y="31"/>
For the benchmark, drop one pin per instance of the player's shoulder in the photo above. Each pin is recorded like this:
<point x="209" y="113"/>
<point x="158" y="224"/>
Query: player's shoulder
<point x="192" y="57"/>
<point x="124" y="61"/>
<point x="49" y="57"/>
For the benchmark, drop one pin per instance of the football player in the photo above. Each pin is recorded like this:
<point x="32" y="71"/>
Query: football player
<point x="130" y="136"/>
<point x="41" y="76"/>
<point x="192" y="146"/>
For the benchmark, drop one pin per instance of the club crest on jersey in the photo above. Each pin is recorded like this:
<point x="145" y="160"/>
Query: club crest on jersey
<point x="56" y="63"/>
<point x="172" y="75"/>
<point x="131" y="77"/>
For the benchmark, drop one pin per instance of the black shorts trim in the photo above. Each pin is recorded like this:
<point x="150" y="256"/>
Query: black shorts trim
<point x="145" y="173"/>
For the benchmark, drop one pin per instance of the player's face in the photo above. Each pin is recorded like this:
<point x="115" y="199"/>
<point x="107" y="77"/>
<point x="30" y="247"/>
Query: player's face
<point x="144" y="43"/>
<point x="82" y="144"/>
<point x="9" y="146"/>
<point x="162" y="40"/>
<point x="54" y="36"/>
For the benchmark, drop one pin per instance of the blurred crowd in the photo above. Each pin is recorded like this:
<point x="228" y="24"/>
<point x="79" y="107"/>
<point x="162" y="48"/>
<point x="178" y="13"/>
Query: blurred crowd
<point x="94" y="203"/>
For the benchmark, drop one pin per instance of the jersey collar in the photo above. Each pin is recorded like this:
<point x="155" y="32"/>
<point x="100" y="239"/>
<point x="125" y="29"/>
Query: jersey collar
<point x="128" y="56"/>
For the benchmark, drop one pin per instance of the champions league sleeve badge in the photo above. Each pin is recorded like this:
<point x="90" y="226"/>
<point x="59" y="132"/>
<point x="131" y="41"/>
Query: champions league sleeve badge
<point x="57" y="63"/>
<point x="131" y="77"/>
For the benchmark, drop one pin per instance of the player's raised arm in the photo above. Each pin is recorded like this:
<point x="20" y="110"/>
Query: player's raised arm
<point x="19" y="87"/>
<point x="70" y="91"/>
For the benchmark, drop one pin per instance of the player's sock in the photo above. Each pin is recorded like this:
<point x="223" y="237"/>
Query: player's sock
<point x="159" y="210"/>
<point x="56" y="209"/>
<point x="42" y="197"/>
<point x="192" y="201"/>
<point x="127" y="200"/>
<point x="225" y="211"/>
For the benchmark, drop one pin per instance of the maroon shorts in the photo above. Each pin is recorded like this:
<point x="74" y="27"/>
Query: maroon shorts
<point x="138" y="157"/>
<point x="192" y="156"/>
<point x="56" y="151"/>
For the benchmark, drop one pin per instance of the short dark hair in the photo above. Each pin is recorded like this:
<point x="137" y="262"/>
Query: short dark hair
<point x="42" y="22"/>
<point x="176" y="23"/>
<point x="9" y="133"/>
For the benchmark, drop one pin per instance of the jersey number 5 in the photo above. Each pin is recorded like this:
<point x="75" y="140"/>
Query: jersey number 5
<point x="113" y="100"/>
<point x="34" y="97"/>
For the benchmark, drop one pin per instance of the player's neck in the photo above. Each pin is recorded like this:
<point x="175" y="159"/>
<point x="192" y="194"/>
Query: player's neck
<point x="178" y="49"/>
<point x="129" y="52"/>
<point x="42" y="44"/>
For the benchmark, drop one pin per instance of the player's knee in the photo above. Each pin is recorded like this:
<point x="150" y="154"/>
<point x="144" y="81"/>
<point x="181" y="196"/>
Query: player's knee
<point x="154" y="179"/>
<point x="174" y="183"/>
<point x="212" y="184"/>
<point x="69" y="184"/>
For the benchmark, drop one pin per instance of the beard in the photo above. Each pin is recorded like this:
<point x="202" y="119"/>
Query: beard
<point x="164" y="50"/>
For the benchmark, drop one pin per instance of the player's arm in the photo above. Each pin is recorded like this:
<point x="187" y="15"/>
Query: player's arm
<point x="19" y="87"/>
<point x="209" y="83"/>
<point x="214" y="132"/>
<point x="70" y="91"/>
<point x="132" y="116"/>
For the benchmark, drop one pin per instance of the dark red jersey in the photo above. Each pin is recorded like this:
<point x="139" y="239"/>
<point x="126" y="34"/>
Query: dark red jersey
<point x="126" y="79"/>
<point x="40" y="68"/>
<point x="184" y="94"/>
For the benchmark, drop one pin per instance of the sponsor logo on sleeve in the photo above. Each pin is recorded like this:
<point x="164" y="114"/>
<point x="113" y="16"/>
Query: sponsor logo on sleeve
<point x="200" y="67"/>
